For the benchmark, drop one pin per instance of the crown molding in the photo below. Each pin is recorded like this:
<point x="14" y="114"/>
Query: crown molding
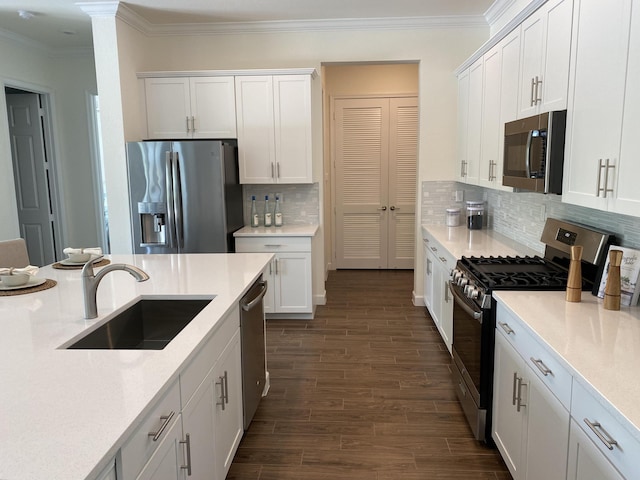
<point x="504" y="31"/>
<point x="396" y="23"/>
<point x="99" y="9"/>
<point x="497" y="9"/>
<point x="127" y="15"/>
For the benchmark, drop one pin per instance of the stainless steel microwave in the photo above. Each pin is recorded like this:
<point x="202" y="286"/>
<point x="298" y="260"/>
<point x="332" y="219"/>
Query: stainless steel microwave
<point x="534" y="152"/>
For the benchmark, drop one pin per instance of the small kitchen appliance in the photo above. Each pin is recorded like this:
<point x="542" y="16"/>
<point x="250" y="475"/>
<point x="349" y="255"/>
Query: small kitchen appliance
<point x="474" y="318"/>
<point x="534" y="152"/>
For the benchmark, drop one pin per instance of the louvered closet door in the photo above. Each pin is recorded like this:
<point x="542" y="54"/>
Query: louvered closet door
<point x="376" y="155"/>
<point x="403" y="153"/>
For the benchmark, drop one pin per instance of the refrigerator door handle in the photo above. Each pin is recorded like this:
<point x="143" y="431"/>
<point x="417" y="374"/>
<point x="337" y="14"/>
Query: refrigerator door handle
<point x="177" y="199"/>
<point x="171" y="220"/>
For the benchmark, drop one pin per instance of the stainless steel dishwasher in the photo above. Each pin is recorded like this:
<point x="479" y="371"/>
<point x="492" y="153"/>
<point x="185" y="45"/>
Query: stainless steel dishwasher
<point x="253" y="348"/>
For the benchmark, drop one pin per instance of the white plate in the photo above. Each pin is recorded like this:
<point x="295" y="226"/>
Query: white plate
<point x="32" y="282"/>
<point x="69" y="262"/>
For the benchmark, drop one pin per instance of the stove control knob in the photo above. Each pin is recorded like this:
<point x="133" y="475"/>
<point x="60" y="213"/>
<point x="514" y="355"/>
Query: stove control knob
<point x="455" y="275"/>
<point x="462" y="281"/>
<point x="473" y="292"/>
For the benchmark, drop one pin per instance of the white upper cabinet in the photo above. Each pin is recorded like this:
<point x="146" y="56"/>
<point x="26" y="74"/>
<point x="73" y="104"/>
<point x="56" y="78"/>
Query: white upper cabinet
<point x="601" y="166"/>
<point x="463" y="123"/>
<point x="474" y="128"/>
<point x="491" y="131"/>
<point x="190" y="107"/>
<point x="274" y="128"/>
<point x="544" y="66"/>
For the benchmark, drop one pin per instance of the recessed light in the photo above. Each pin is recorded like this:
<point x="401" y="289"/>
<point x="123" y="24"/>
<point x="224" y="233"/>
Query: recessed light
<point x="25" y="14"/>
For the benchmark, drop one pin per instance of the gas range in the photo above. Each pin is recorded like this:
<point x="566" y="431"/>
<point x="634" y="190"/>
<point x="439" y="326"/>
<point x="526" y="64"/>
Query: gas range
<point x="475" y="278"/>
<point x="479" y="276"/>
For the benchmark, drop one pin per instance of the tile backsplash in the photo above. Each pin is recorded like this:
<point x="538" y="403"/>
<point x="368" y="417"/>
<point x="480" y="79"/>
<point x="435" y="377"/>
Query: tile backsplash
<point x="521" y="216"/>
<point x="299" y="204"/>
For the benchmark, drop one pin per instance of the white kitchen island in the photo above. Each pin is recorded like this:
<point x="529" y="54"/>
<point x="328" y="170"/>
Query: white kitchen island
<point x="65" y="413"/>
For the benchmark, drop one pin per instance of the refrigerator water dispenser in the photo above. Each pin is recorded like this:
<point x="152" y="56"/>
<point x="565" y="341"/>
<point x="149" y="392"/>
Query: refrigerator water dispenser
<point x="153" y="223"/>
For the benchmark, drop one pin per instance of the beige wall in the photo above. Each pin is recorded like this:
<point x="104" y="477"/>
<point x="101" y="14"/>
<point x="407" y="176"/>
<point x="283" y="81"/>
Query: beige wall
<point x="437" y="51"/>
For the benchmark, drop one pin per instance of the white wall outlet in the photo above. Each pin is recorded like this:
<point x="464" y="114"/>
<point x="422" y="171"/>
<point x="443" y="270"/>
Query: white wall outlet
<point x="458" y="195"/>
<point x="543" y="212"/>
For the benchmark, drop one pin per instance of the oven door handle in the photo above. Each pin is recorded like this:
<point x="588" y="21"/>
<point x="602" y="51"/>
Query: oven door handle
<point x="462" y="301"/>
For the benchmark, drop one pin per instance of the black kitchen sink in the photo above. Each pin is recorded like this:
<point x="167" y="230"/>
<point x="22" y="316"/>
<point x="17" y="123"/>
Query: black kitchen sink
<point x="149" y="324"/>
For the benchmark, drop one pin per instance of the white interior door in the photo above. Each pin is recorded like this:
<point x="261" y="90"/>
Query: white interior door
<point x="32" y="177"/>
<point x="375" y="178"/>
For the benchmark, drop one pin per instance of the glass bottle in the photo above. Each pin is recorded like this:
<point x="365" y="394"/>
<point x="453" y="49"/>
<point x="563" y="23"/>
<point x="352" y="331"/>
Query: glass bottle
<point x="267" y="212"/>
<point x="254" y="212"/>
<point x="277" y="214"/>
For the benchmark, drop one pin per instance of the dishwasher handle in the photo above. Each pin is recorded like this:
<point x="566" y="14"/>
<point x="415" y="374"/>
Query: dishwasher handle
<point x="263" y="290"/>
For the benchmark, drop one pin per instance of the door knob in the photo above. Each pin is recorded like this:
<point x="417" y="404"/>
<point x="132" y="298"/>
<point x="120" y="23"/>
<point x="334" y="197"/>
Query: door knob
<point x="392" y="207"/>
<point x="383" y="208"/>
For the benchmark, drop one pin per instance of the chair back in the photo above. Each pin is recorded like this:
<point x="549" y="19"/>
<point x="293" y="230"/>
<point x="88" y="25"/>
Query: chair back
<point x="13" y="253"/>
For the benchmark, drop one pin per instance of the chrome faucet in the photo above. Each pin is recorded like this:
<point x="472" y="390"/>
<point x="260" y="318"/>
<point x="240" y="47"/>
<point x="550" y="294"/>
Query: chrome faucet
<point x="90" y="282"/>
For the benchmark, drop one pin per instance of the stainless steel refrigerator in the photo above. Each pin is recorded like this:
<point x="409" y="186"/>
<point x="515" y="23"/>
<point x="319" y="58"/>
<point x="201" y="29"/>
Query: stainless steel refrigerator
<point x="185" y="196"/>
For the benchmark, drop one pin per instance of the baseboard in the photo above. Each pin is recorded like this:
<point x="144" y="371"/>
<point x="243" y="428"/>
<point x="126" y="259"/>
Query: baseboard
<point x="418" y="300"/>
<point x="320" y="299"/>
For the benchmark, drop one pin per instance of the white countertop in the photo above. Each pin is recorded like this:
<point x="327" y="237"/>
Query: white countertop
<point x="460" y="241"/>
<point x="63" y="413"/>
<point x="600" y="347"/>
<point x="283" y="231"/>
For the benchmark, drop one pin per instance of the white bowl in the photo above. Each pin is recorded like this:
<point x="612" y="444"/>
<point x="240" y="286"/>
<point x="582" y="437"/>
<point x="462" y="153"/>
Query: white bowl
<point x="79" y="257"/>
<point x="15" y="280"/>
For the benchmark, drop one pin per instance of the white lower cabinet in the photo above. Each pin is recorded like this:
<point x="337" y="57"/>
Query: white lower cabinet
<point x="530" y="423"/>
<point x="586" y="462"/>
<point x="288" y="275"/>
<point x="212" y="419"/>
<point x="546" y="423"/>
<point x="437" y="298"/>
<point x="194" y="430"/>
<point x="166" y="461"/>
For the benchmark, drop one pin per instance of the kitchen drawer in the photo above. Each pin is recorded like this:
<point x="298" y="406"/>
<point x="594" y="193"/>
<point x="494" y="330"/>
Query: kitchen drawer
<point x="140" y="446"/>
<point x="542" y="361"/>
<point x="273" y="244"/>
<point x="441" y="253"/>
<point x="193" y="375"/>
<point x="625" y="454"/>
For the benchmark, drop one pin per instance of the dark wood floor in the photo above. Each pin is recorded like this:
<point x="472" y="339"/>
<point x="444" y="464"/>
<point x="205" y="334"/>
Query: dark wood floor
<point x="363" y="391"/>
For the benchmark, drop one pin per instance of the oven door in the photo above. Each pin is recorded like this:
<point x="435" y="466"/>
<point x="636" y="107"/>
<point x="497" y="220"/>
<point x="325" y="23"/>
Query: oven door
<point x="468" y="360"/>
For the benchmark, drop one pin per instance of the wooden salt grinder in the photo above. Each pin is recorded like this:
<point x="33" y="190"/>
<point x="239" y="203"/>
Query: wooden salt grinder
<point x="612" y="287"/>
<point x="574" y="281"/>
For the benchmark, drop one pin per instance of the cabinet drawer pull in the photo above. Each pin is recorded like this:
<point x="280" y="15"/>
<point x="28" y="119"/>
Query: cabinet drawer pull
<point x="443" y="259"/>
<point x="274" y="245"/>
<point x="506" y="328"/>
<point x="434" y="249"/>
<point x="514" y="395"/>
<point x="167" y="421"/>
<point x="541" y="366"/>
<point x="223" y="395"/>
<point x="595" y="427"/>
<point x="272" y="170"/>
<point x="533" y="84"/>
<point x="519" y="402"/>
<point x="278" y="169"/>
<point x="538" y="98"/>
<point x="187" y="442"/>
<point x="188" y="129"/>
<point x="193" y="124"/>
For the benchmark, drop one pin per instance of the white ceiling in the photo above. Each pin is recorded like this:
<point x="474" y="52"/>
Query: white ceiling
<point x="52" y="18"/>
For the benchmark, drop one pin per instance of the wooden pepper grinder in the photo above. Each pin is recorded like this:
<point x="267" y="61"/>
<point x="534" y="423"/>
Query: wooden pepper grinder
<point x="574" y="281"/>
<point x="612" y="287"/>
